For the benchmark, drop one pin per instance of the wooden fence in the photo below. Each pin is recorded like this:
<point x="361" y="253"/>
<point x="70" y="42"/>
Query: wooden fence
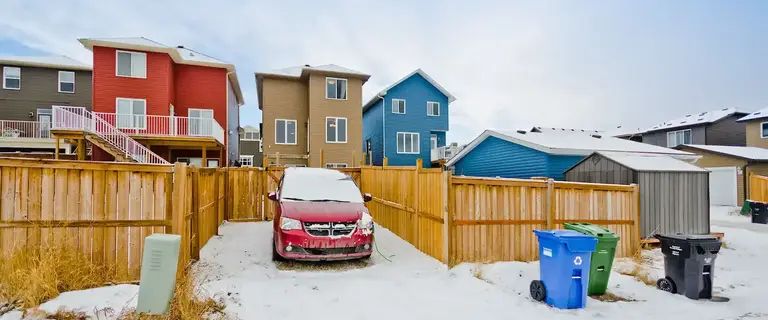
<point x="461" y="219"/>
<point x="758" y="188"/>
<point x="105" y="210"/>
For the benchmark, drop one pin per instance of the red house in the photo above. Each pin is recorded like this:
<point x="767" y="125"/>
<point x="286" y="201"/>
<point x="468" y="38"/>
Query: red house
<point x="154" y="103"/>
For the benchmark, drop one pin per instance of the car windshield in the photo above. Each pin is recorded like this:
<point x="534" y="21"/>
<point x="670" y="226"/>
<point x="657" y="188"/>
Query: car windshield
<point x="318" y="185"/>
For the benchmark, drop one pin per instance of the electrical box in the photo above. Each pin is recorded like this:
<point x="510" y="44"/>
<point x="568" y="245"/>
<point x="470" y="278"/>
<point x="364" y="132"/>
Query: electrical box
<point x="158" y="273"/>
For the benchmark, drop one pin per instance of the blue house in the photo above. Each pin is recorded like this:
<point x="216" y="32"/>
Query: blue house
<point x="541" y="152"/>
<point x="405" y="121"/>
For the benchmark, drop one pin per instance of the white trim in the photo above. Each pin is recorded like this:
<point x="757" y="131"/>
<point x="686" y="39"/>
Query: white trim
<point x="132" y="53"/>
<point x="392" y="105"/>
<point x="346" y="130"/>
<point x="429" y="109"/>
<point x="411" y="135"/>
<point x="117" y="114"/>
<point x="295" y="132"/>
<point x="60" y="82"/>
<point x="674" y="133"/>
<point x="6" y="77"/>
<point x="346" y="88"/>
<point x="761" y="129"/>
<point x="246" y="156"/>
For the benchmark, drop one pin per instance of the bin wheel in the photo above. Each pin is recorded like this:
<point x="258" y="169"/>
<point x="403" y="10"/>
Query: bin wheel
<point x="538" y="292"/>
<point x="666" y="284"/>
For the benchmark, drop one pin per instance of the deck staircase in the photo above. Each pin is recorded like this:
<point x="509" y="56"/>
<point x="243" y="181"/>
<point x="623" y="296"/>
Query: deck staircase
<point x="103" y="135"/>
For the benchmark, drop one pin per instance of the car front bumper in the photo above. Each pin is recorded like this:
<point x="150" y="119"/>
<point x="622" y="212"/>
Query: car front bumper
<point x="299" y="245"/>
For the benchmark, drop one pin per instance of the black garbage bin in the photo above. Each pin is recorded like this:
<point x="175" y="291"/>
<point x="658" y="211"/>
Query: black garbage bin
<point x="689" y="264"/>
<point x="759" y="211"/>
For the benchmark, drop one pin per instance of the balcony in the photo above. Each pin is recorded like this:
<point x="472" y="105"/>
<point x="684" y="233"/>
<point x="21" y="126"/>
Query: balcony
<point x="25" y="129"/>
<point x="444" y="153"/>
<point x="152" y="126"/>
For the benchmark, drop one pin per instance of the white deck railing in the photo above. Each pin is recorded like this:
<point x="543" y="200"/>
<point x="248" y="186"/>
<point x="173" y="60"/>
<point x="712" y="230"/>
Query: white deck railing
<point x="78" y="118"/>
<point x="25" y="129"/>
<point x="444" y="153"/>
<point x="165" y="125"/>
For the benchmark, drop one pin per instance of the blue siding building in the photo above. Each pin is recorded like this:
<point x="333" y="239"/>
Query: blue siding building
<point x="541" y="152"/>
<point x="406" y="120"/>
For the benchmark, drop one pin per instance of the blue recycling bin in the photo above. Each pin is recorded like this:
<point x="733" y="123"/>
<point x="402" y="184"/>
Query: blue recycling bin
<point x="564" y="258"/>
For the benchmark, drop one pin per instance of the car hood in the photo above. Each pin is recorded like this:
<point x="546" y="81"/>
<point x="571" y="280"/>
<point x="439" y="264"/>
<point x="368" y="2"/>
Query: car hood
<point x="306" y="211"/>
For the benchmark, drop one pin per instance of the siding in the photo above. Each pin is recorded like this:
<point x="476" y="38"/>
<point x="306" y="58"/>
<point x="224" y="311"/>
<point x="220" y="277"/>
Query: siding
<point x="372" y="130"/>
<point x="727" y="132"/>
<point x="753" y="134"/>
<point x="232" y="128"/>
<point x="39" y="90"/>
<point x="659" y="138"/>
<point x="713" y="160"/>
<point x="248" y="147"/>
<point x="670" y="202"/>
<point x="284" y="99"/>
<point x="495" y="157"/>
<point x="320" y="108"/>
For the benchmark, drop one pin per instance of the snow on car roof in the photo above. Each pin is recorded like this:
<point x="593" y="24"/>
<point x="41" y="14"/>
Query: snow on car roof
<point x="308" y="184"/>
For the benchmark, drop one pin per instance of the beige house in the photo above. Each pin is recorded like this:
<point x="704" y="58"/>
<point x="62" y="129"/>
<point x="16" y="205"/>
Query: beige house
<point x="311" y="116"/>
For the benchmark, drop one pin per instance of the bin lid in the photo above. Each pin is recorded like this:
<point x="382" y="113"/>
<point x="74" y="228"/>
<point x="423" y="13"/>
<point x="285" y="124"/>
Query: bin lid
<point x="575" y="241"/>
<point x="591" y="229"/>
<point x="685" y="237"/>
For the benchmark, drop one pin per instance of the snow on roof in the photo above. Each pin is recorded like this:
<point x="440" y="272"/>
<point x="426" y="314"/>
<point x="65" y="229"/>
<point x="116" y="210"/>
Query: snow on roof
<point x="759" y="114"/>
<point x="429" y="79"/>
<point x="62" y="62"/>
<point x="319" y="184"/>
<point x="650" y="162"/>
<point x="565" y="130"/>
<point x="569" y="142"/>
<point x="179" y="54"/>
<point x="299" y="71"/>
<point x="695" y="119"/>
<point x="750" y="153"/>
<point x="621" y="131"/>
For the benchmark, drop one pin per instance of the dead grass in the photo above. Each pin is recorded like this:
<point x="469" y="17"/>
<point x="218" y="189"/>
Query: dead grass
<point x="610" y="297"/>
<point x="187" y="304"/>
<point x="641" y="270"/>
<point x="343" y="265"/>
<point x="33" y="275"/>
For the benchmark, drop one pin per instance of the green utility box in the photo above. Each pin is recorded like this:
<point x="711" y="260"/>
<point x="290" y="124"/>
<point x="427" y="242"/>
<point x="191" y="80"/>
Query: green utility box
<point x="158" y="273"/>
<point x="602" y="257"/>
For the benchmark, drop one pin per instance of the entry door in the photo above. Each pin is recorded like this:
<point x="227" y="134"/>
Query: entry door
<point x="433" y="141"/>
<point x="44" y="117"/>
<point x="722" y="186"/>
<point x="200" y="122"/>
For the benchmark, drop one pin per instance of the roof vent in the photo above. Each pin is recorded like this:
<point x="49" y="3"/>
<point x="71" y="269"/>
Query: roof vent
<point x="701" y="114"/>
<point x="596" y="136"/>
<point x="725" y="109"/>
<point x="308" y="66"/>
<point x="180" y="47"/>
<point x="687" y="115"/>
<point x="521" y="131"/>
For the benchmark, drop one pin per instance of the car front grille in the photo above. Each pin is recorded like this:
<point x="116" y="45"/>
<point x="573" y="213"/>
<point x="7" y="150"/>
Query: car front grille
<point x="329" y="229"/>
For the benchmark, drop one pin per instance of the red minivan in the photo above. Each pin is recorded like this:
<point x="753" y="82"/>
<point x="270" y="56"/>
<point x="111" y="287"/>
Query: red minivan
<point x="320" y="216"/>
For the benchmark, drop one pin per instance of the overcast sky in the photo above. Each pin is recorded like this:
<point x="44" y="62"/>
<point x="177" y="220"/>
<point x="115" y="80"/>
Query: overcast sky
<point x="510" y="64"/>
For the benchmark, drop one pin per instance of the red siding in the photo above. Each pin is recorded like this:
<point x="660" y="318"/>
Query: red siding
<point x="156" y="88"/>
<point x="201" y="88"/>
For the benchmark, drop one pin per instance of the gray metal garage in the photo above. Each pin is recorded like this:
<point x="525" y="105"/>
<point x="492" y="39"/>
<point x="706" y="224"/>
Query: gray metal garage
<point x="674" y="194"/>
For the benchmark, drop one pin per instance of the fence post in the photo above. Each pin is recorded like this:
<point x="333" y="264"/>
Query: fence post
<point x="385" y="162"/>
<point x="636" y="228"/>
<point x="178" y="206"/>
<point x="447" y="212"/>
<point x="550" y="204"/>
<point x="194" y="221"/>
<point x="416" y="205"/>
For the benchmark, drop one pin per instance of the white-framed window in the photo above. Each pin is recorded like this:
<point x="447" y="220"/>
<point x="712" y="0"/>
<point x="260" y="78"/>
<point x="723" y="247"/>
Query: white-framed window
<point x="433" y="108"/>
<point x="198" y="162"/>
<point x="678" y="137"/>
<point x="250" y="135"/>
<point x="433" y="141"/>
<point x="67" y="81"/>
<point x="764" y="130"/>
<point x="131" y="113"/>
<point x="131" y="64"/>
<point x="335" y="88"/>
<point x="200" y="121"/>
<point x="285" y="131"/>
<point x="246" y="160"/>
<point x="408" y="142"/>
<point x="398" y="106"/>
<point x="335" y="130"/>
<point x="12" y="78"/>
<point x="335" y="165"/>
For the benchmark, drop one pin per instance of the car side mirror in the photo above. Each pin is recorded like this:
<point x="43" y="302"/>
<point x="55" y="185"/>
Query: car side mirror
<point x="367" y="197"/>
<point x="272" y="196"/>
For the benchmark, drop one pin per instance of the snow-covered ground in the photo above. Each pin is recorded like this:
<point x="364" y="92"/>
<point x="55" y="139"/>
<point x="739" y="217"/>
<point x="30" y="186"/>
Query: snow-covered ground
<point x="402" y="283"/>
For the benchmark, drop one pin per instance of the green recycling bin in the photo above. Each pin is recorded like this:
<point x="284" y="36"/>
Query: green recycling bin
<point x="602" y="257"/>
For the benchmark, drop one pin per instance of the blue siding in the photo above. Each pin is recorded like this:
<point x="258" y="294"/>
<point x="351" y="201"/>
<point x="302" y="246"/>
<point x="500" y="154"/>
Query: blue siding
<point x="416" y="91"/>
<point x="372" y="128"/>
<point x="495" y="157"/>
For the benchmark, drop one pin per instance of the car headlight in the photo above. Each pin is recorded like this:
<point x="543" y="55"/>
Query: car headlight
<point x="289" y="224"/>
<point x="366" y="222"/>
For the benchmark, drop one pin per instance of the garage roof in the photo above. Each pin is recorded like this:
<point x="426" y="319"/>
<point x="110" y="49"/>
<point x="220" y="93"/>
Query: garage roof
<point x="748" y="153"/>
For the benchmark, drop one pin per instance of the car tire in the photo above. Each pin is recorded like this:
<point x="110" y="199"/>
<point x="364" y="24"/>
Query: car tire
<point x="276" y="257"/>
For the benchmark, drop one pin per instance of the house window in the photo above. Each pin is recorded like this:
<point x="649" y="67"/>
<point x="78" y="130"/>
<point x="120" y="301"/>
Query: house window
<point x="335" y="130"/>
<point x="398" y="106"/>
<point x="678" y="137"/>
<point x="12" y="78"/>
<point x="764" y="130"/>
<point x="131" y="113"/>
<point x="131" y="64"/>
<point x="336" y="88"/>
<point x="285" y="131"/>
<point x="66" y="82"/>
<point x="433" y="108"/>
<point x="250" y="135"/>
<point x="198" y="162"/>
<point x="335" y="165"/>
<point x="433" y="141"/>
<point x="408" y="142"/>
<point x="200" y="122"/>
<point x="246" y="160"/>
